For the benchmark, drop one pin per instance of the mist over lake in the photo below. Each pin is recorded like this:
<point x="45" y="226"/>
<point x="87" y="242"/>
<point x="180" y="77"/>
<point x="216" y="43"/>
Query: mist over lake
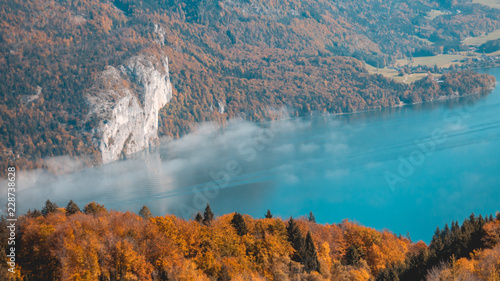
<point x="427" y="163"/>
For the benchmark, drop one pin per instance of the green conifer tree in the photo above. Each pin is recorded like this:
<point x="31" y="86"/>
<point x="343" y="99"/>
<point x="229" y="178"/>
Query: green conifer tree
<point x="296" y="239"/>
<point x="269" y="215"/>
<point x="311" y="217"/>
<point x="310" y="262"/>
<point x="145" y="212"/>
<point x="49" y="207"/>
<point x="199" y="217"/>
<point x="208" y="216"/>
<point x="353" y="255"/>
<point x="239" y="224"/>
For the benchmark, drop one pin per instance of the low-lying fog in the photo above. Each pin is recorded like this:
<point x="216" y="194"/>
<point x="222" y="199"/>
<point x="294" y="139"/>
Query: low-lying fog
<point x="406" y="169"/>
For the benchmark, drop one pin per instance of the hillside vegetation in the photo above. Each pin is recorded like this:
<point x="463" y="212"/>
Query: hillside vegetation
<point x="96" y="244"/>
<point x="251" y="57"/>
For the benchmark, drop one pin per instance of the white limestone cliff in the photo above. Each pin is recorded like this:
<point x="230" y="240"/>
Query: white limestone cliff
<point x="124" y="103"/>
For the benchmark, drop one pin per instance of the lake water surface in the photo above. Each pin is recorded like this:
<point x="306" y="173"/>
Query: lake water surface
<point x="406" y="169"/>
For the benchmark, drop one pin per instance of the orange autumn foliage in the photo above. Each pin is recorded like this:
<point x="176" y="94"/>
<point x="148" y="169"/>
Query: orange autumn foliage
<point x="116" y="245"/>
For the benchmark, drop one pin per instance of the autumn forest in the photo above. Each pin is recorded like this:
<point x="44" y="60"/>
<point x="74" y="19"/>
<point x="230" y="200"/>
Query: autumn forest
<point x="94" y="243"/>
<point x="254" y="58"/>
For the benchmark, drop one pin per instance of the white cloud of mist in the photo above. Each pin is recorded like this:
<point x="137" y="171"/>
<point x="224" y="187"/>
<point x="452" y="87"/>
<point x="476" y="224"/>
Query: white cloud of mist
<point x="308" y="147"/>
<point x="65" y="164"/>
<point x="286" y="148"/>
<point x="337" y="173"/>
<point x="173" y="168"/>
<point x="336" y="147"/>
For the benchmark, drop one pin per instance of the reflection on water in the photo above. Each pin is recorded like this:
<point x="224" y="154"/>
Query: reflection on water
<point x="346" y="166"/>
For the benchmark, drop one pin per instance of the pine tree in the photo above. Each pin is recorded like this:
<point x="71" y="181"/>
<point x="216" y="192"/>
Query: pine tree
<point x="446" y="231"/>
<point x="311" y="217"/>
<point x="37" y="213"/>
<point x="455" y="228"/>
<point x="199" y="217"/>
<point x="480" y="220"/>
<point x="239" y="224"/>
<point x="417" y="266"/>
<point x="310" y="262"/>
<point x="49" y="207"/>
<point x="472" y="219"/>
<point x="437" y="241"/>
<point x="208" y="216"/>
<point x="354" y="254"/>
<point x="269" y="215"/>
<point x="477" y="235"/>
<point x="72" y="208"/>
<point x="490" y="218"/>
<point x="296" y="239"/>
<point x="33" y="214"/>
<point x="145" y="212"/>
<point x="388" y="274"/>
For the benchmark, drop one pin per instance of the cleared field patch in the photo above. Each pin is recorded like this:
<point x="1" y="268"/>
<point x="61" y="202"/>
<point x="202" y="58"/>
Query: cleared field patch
<point x="476" y="41"/>
<point x="439" y="60"/>
<point x="424" y="40"/>
<point x="394" y="74"/>
<point x="434" y="14"/>
<point x="415" y="77"/>
<point x="494" y="54"/>
<point x="489" y="3"/>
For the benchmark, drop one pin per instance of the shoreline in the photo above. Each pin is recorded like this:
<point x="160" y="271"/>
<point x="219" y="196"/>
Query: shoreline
<point x="402" y="104"/>
<point x="313" y="115"/>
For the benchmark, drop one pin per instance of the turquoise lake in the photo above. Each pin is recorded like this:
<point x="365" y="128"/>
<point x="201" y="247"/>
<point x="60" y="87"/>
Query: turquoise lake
<point x="407" y="169"/>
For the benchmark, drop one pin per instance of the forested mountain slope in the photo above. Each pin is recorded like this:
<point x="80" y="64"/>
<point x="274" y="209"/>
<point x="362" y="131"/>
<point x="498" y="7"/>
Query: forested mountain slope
<point x="227" y="59"/>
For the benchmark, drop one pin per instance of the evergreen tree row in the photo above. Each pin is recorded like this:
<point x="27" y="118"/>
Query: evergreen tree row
<point x="447" y="245"/>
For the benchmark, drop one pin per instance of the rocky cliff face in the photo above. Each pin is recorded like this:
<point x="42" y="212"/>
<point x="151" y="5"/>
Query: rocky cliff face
<point x="124" y="101"/>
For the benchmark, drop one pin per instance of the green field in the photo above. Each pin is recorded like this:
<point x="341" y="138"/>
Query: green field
<point x="476" y="41"/>
<point x="490" y="3"/>
<point x="394" y="74"/>
<point x="439" y="60"/>
<point x="424" y="40"/>
<point x="434" y="14"/>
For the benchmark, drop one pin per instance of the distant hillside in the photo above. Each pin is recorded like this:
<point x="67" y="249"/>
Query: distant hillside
<point x="226" y="58"/>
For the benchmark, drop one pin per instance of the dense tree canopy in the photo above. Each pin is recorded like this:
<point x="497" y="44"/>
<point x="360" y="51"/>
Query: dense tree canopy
<point x="249" y="58"/>
<point x="110" y="245"/>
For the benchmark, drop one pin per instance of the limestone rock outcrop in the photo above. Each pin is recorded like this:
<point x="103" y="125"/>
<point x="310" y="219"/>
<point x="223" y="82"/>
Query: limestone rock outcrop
<point x="124" y="102"/>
